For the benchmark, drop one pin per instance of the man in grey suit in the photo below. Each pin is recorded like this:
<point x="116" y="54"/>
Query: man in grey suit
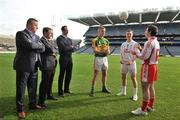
<point x="47" y="67"/>
<point x="65" y="48"/>
<point x="25" y="63"/>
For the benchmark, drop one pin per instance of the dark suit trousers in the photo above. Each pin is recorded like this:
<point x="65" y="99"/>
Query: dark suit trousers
<point x="46" y="85"/>
<point x="66" y="66"/>
<point x="23" y="79"/>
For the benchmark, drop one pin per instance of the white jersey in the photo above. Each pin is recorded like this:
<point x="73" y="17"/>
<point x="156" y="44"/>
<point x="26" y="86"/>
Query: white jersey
<point x="125" y="52"/>
<point x="150" y="52"/>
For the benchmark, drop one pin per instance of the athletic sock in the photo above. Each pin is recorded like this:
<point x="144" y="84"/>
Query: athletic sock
<point x="92" y="88"/>
<point x="151" y="102"/>
<point x="144" y="106"/>
<point x="123" y="90"/>
<point x="135" y="91"/>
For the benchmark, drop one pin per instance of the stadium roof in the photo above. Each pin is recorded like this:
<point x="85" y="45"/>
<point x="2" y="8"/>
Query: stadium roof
<point x="134" y="17"/>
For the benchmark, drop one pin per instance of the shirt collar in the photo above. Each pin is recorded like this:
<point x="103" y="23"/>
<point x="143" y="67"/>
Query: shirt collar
<point x="64" y="36"/>
<point x="31" y="33"/>
<point x="46" y="38"/>
<point x="152" y="38"/>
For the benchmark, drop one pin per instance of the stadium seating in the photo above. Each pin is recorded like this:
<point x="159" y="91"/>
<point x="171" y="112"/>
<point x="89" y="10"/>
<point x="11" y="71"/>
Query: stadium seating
<point x="168" y="22"/>
<point x="116" y="51"/>
<point x="89" y="50"/>
<point x="169" y="37"/>
<point x="173" y="50"/>
<point x="117" y="31"/>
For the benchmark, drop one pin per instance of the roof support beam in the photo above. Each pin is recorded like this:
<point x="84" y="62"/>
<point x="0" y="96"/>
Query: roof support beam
<point x="175" y="16"/>
<point x="83" y="22"/>
<point x="109" y="20"/>
<point x="140" y="18"/>
<point x="96" y="21"/>
<point x="157" y="17"/>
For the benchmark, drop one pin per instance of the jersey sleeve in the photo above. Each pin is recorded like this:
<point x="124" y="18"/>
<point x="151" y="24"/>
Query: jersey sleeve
<point x="146" y="52"/>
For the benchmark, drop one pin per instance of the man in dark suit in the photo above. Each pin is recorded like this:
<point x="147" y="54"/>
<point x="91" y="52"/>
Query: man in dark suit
<point x="25" y="63"/>
<point x="48" y="66"/>
<point x="65" y="48"/>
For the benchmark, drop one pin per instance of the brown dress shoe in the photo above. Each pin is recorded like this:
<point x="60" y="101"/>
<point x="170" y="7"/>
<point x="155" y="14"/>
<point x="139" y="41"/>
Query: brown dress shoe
<point x="22" y="115"/>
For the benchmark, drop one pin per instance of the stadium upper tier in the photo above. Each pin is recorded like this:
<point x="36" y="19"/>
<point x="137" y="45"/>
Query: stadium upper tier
<point x="168" y="23"/>
<point x="134" y="17"/>
<point x="165" y="29"/>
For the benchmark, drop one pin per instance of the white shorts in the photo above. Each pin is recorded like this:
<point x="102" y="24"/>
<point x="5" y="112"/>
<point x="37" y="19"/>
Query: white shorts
<point x="131" y="68"/>
<point x="100" y="63"/>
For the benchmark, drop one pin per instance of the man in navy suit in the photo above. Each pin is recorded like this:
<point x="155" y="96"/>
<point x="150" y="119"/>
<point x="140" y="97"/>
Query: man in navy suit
<point x="47" y="67"/>
<point x="65" y="48"/>
<point x="25" y="63"/>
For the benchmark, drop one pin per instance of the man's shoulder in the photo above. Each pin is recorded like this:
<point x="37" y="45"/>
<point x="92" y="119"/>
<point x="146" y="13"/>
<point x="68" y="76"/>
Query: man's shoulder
<point x="22" y="33"/>
<point x="94" y="39"/>
<point x="148" y="44"/>
<point x="57" y="37"/>
<point x="42" y="38"/>
<point x="105" y="39"/>
<point x="26" y="33"/>
<point x="133" y="41"/>
<point x="61" y="37"/>
<point x="123" y="43"/>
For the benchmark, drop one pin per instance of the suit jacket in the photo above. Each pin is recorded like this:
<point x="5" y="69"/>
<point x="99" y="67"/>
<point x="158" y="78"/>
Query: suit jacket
<point x="48" y="58"/>
<point x="28" y="46"/>
<point x="64" y="46"/>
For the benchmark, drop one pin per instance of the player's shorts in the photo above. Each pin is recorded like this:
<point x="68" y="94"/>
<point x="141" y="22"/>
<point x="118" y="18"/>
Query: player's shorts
<point x="129" y="68"/>
<point x="100" y="63"/>
<point x="149" y="73"/>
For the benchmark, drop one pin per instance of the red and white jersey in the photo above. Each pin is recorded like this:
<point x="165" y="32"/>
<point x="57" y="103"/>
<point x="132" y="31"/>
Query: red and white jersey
<point x="125" y="51"/>
<point x="150" y="52"/>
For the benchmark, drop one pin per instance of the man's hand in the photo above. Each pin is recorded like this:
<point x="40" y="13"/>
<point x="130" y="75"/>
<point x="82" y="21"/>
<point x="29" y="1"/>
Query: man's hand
<point x="138" y="46"/>
<point x="129" y="62"/>
<point x="107" y="51"/>
<point x="101" y="52"/>
<point x="126" y="62"/>
<point x="133" y="52"/>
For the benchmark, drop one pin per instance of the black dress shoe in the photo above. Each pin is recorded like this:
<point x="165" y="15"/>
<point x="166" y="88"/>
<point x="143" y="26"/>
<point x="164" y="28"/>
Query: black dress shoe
<point x="51" y="98"/>
<point x="43" y="106"/>
<point x="35" y="107"/>
<point x="105" y="90"/>
<point x="68" y="92"/>
<point x="61" y="95"/>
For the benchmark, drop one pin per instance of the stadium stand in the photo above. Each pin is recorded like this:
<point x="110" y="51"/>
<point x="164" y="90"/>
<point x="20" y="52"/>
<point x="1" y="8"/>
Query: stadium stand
<point x="89" y="50"/>
<point x="173" y="50"/>
<point x="168" y="22"/>
<point x="116" y="50"/>
<point x="82" y="49"/>
<point x="164" y="51"/>
<point x="7" y="43"/>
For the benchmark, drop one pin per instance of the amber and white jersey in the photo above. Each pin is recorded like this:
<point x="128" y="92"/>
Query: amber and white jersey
<point x="150" y="52"/>
<point x="125" y="52"/>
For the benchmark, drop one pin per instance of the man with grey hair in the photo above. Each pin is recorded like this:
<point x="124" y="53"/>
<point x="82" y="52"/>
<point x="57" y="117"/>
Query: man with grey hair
<point x="25" y="63"/>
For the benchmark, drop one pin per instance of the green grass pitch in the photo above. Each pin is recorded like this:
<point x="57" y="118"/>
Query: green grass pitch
<point x="80" y="106"/>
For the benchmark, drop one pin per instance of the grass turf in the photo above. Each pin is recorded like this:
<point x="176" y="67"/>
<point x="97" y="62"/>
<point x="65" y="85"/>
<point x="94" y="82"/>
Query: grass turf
<point x="80" y="106"/>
